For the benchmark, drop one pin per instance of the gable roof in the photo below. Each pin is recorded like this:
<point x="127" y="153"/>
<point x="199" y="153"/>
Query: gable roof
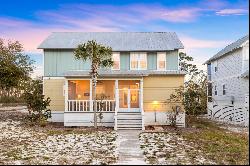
<point x="229" y="48"/>
<point x="118" y="41"/>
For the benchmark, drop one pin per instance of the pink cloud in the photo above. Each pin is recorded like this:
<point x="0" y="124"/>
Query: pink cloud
<point x="192" y="43"/>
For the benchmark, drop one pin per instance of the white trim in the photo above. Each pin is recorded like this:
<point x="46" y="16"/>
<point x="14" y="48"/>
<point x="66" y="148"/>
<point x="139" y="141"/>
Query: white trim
<point x="53" y="78"/>
<point x="106" y="78"/>
<point x="165" y="54"/>
<point x="141" y="103"/>
<point x="90" y="95"/>
<point x="118" y="60"/>
<point x="138" y="60"/>
<point x="66" y="94"/>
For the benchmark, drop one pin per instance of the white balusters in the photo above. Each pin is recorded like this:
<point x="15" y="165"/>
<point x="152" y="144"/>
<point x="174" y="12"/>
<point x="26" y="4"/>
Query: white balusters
<point x="84" y="105"/>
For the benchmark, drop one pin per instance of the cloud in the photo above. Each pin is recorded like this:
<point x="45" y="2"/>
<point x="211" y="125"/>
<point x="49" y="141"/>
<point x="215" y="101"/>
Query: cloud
<point x="228" y="12"/>
<point x="193" y="43"/>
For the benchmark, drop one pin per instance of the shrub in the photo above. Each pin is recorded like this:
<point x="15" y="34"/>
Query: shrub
<point x="36" y="103"/>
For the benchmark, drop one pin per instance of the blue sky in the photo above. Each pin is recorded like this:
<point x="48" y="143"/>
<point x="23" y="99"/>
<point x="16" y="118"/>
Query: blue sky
<point x="204" y="26"/>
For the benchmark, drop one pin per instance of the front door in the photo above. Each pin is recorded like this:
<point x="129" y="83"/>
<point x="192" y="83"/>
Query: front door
<point x="129" y="100"/>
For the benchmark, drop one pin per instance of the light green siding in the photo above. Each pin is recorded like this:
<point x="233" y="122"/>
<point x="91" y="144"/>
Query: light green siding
<point x="57" y="62"/>
<point x="152" y="61"/>
<point x="172" y="60"/>
<point x="124" y="61"/>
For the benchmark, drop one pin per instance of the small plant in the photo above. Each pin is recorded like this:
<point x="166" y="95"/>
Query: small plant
<point x="101" y="98"/>
<point x="36" y="103"/>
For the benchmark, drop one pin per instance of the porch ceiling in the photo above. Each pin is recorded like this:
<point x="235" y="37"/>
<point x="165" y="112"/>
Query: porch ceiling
<point x="122" y="73"/>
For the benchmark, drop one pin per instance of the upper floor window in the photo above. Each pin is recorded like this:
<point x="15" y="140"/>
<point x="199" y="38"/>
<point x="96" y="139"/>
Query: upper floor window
<point x="138" y="61"/>
<point x="215" y="66"/>
<point x="224" y="88"/>
<point x="161" y="61"/>
<point x="215" y="90"/>
<point x="116" y="59"/>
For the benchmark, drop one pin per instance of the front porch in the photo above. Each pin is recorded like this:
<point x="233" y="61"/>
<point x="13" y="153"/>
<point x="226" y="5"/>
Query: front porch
<point x="118" y="101"/>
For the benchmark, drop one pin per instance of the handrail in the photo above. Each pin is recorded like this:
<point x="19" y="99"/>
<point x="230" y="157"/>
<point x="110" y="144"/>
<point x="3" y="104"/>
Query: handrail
<point x="85" y="105"/>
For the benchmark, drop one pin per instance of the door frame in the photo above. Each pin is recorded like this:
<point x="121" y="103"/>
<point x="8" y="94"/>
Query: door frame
<point x="129" y="109"/>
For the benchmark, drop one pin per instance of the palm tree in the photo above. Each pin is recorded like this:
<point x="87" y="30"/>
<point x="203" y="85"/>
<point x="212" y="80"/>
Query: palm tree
<point x="100" y="56"/>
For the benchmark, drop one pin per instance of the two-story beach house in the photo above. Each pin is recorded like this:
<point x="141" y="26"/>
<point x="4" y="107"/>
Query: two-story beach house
<point x="228" y="87"/>
<point x="145" y="73"/>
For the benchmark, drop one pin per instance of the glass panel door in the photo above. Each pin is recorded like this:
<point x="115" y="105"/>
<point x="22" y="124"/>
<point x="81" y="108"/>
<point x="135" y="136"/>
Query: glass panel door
<point x="134" y="98"/>
<point x="123" y="98"/>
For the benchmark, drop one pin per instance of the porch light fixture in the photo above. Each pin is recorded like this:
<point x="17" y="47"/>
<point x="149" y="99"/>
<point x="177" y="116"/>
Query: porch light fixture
<point x="155" y="104"/>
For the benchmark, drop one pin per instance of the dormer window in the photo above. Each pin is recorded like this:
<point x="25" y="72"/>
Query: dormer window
<point x="161" y="61"/>
<point x="116" y="59"/>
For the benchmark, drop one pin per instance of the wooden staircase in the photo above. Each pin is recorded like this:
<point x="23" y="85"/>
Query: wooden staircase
<point x="129" y="121"/>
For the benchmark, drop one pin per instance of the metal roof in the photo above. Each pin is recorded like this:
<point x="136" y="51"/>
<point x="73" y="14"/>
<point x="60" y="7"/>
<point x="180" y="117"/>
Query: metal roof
<point x="122" y="73"/>
<point x="229" y="48"/>
<point x="118" y="41"/>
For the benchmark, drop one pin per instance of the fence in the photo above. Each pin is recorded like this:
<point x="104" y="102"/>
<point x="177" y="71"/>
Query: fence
<point x="233" y="114"/>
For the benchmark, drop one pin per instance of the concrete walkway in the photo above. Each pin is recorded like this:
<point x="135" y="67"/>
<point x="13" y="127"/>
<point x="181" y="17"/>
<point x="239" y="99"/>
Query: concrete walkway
<point x="129" y="148"/>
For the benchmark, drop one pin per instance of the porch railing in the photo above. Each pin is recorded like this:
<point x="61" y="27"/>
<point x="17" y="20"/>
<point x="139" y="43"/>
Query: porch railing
<point x="84" y="105"/>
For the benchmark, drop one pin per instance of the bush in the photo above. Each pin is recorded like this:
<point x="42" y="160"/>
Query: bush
<point x="36" y="103"/>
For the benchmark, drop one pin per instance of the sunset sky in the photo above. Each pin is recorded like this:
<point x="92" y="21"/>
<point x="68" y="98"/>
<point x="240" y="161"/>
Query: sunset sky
<point x="204" y="26"/>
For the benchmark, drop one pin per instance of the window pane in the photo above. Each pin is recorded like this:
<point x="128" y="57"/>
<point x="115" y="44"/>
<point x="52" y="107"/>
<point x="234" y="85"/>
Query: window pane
<point x="161" y="60"/>
<point x="134" y="60"/>
<point x="78" y="90"/>
<point x="143" y="60"/>
<point x="105" y="90"/>
<point x="143" y="65"/>
<point x="116" y="59"/>
<point x="134" y="98"/>
<point x="116" y="65"/>
<point x="161" y="64"/>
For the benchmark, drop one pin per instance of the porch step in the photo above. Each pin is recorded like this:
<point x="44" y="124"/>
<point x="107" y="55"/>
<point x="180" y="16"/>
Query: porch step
<point x="129" y="121"/>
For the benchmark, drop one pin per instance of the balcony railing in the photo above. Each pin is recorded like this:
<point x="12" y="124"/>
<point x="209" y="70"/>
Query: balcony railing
<point x="84" y="105"/>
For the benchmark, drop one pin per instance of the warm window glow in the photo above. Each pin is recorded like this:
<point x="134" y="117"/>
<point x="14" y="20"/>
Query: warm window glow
<point x="161" y="61"/>
<point x="78" y="90"/>
<point x="138" y="61"/>
<point x="116" y="59"/>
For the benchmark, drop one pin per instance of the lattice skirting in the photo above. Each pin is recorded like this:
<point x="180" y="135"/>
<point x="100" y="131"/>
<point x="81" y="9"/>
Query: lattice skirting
<point x="234" y="114"/>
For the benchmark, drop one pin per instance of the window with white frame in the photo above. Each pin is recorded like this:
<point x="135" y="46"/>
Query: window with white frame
<point x="224" y="88"/>
<point x="161" y="61"/>
<point x="215" y="90"/>
<point x="138" y="61"/>
<point x="116" y="59"/>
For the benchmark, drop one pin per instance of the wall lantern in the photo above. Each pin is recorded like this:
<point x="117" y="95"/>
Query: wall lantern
<point x="155" y="106"/>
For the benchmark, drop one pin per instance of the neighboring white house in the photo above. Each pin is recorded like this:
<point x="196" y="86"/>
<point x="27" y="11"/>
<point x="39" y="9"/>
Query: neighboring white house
<point x="228" y="87"/>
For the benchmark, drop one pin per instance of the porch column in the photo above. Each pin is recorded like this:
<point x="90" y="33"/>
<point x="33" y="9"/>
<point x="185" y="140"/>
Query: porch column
<point x="141" y="103"/>
<point x="66" y="94"/>
<point x="90" y="96"/>
<point x="116" y="103"/>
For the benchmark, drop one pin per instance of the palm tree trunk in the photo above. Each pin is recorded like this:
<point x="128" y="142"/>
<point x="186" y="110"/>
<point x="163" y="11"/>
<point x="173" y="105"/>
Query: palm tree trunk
<point x="94" y="99"/>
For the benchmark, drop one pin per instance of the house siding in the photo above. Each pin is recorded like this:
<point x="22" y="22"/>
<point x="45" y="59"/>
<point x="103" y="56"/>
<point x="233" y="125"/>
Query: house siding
<point x="158" y="89"/>
<point x="152" y="61"/>
<point x="172" y="60"/>
<point x="124" y="61"/>
<point x="58" y="61"/>
<point x="229" y="73"/>
<point x="53" y="88"/>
